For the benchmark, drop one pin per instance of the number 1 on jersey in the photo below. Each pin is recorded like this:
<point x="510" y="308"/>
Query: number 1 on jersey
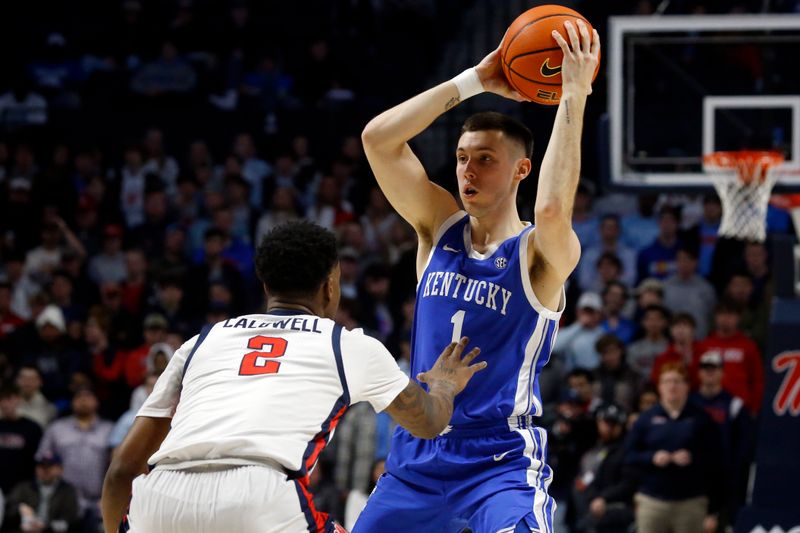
<point x="458" y="322"/>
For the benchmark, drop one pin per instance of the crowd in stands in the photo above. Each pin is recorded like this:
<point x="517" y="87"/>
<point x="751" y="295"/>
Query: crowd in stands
<point x="118" y="245"/>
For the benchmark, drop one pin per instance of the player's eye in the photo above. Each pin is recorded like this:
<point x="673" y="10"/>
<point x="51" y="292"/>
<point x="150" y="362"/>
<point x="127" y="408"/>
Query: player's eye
<point x="461" y="158"/>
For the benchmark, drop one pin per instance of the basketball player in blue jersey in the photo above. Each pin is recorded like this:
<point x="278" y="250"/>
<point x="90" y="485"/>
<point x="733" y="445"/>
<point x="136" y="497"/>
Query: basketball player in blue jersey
<point x="484" y="273"/>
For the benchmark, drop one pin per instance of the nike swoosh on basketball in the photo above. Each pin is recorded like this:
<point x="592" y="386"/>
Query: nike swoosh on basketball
<point x="448" y="248"/>
<point x="500" y="457"/>
<point x="548" y="71"/>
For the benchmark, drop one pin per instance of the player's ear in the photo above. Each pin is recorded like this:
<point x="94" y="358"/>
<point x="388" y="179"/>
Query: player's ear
<point x="523" y="168"/>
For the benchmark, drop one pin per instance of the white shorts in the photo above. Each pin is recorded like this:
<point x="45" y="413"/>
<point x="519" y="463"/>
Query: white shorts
<point x="246" y="499"/>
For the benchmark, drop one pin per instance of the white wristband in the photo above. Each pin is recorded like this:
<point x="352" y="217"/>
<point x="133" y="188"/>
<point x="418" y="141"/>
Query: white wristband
<point x="468" y="84"/>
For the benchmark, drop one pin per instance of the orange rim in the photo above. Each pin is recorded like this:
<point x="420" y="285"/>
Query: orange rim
<point x="751" y="165"/>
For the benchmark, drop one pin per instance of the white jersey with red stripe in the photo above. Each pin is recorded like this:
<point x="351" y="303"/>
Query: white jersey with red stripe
<point x="267" y="388"/>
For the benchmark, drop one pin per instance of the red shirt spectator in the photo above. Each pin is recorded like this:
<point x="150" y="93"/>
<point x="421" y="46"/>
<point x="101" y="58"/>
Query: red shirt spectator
<point x="135" y="366"/>
<point x="682" y="349"/>
<point x="8" y="320"/>
<point x="743" y="371"/>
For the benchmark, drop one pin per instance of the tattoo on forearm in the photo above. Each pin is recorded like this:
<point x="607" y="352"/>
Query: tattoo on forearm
<point x="566" y="108"/>
<point x="454" y="101"/>
<point x="415" y="409"/>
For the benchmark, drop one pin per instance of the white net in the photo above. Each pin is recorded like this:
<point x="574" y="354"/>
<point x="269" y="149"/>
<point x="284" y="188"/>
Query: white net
<point x="743" y="182"/>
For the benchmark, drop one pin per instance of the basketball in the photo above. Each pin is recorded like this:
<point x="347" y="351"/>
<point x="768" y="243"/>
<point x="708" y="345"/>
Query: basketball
<point x="530" y="56"/>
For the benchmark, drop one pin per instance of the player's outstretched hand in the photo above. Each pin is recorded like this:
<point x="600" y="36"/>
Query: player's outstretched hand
<point x="581" y="56"/>
<point x="452" y="370"/>
<point x="492" y="78"/>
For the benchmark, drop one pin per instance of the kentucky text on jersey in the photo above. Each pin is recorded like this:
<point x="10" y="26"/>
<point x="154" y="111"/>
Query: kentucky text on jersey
<point x="482" y="292"/>
<point x="294" y="324"/>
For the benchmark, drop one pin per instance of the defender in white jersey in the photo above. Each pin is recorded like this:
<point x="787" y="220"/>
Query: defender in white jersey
<point x="243" y="410"/>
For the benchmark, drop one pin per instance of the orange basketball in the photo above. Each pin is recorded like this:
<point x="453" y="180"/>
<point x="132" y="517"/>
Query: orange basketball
<point x="530" y="55"/>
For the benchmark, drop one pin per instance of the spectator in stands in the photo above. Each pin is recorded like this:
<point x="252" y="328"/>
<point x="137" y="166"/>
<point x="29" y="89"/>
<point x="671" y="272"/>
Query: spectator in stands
<point x="157" y="360"/>
<point x="330" y="210"/>
<point x="132" y="186"/>
<point x="135" y="366"/>
<point x="377" y="221"/>
<point x="81" y="440"/>
<point x="688" y="292"/>
<point x="615" y="296"/>
<point x="736" y="430"/>
<point x="109" y="265"/>
<point x="47" y="503"/>
<point x="615" y="381"/>
<point x="149" y="235"/>
<point x="575" y="344"/>
<point x="237" y="195"/>
<point x="254" y="169"/>
<point x="570" y="436"/>
<point x="355" y="449"/>
<point x="609" y="242"/>
<point x="604" y="487"/>
<point x="678" y="450"/>
<point x="45" y="258"/>
<point x="756" y="263"/>
<point x="51" y="353"/>
<point x="642" y="353"/>
<point x="703" y="236"/>
<point x="283" y="208"/>
<point x="376" y="317"/>
<point x="743" y="372"/>
<point x="125" y="421"/>
<point x="167" y="74"/>
<point x="658" y="260"/>
<point x="19" y="439"/>
<point x="9" y="321"/>
<point x="585" y="222"/>
<point x="21" y="106"/>
<point x="158" y="162"/>
<point x="755" y="314"/>
<point x="32" y="403"/>
<point x="214" y="267"/>
<point x="682" y="350"/>
<point x="640" y="229"/>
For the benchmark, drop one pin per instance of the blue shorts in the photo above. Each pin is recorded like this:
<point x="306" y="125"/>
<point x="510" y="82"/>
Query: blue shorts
<point x="492" y="479"/>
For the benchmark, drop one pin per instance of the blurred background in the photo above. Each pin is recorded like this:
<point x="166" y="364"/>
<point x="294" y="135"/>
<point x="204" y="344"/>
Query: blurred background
<point x="146" y="146"/>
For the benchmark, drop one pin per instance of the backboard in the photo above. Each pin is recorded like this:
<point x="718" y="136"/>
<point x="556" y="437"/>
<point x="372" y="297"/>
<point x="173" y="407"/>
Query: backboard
<point x="684" y="86"/>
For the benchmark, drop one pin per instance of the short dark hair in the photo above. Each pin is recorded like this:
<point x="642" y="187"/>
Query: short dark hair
<point x="295" y="258"/>
<point x="581" y="372"/>
<point x="729" y="306"/>
<point x="663" y="311"/>
<point x="608" y="340"/>
<point x="492" y="120"/>
<point x="683" y="318"/>
<point x="8" y="390"/>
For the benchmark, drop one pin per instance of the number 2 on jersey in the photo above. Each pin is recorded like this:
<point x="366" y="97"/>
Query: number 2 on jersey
<point x="257" y="363"/>
<point x="458" y="322"/>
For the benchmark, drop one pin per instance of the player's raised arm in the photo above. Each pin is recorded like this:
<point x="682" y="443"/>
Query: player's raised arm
<point x="558" y="177"/>
<point x="398" y="171"/>
<point x="426" y="414"/>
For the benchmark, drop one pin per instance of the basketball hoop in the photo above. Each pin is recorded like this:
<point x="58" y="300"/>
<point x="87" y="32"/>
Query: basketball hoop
<point x="744" y="181"/>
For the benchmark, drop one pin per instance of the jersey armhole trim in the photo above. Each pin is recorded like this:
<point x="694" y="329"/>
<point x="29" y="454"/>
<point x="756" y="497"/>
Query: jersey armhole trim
<point x="446" y="225"/>
<point x="526" y="281"/>
<point x="200" y="338"/>
<point x="336" y="343"/>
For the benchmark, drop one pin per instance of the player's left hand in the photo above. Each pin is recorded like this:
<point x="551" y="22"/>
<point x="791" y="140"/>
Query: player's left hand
<point x="581" y="56"/>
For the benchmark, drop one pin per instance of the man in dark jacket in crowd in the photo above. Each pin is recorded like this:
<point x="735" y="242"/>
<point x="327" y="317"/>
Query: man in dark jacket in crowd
<point x="678" y="449"/>
<point x="47" y="504"/>
<point x="603" y="490"/>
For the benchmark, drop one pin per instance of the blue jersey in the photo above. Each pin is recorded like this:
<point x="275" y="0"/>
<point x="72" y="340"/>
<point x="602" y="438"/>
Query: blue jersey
<point x="487" y="297"/>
